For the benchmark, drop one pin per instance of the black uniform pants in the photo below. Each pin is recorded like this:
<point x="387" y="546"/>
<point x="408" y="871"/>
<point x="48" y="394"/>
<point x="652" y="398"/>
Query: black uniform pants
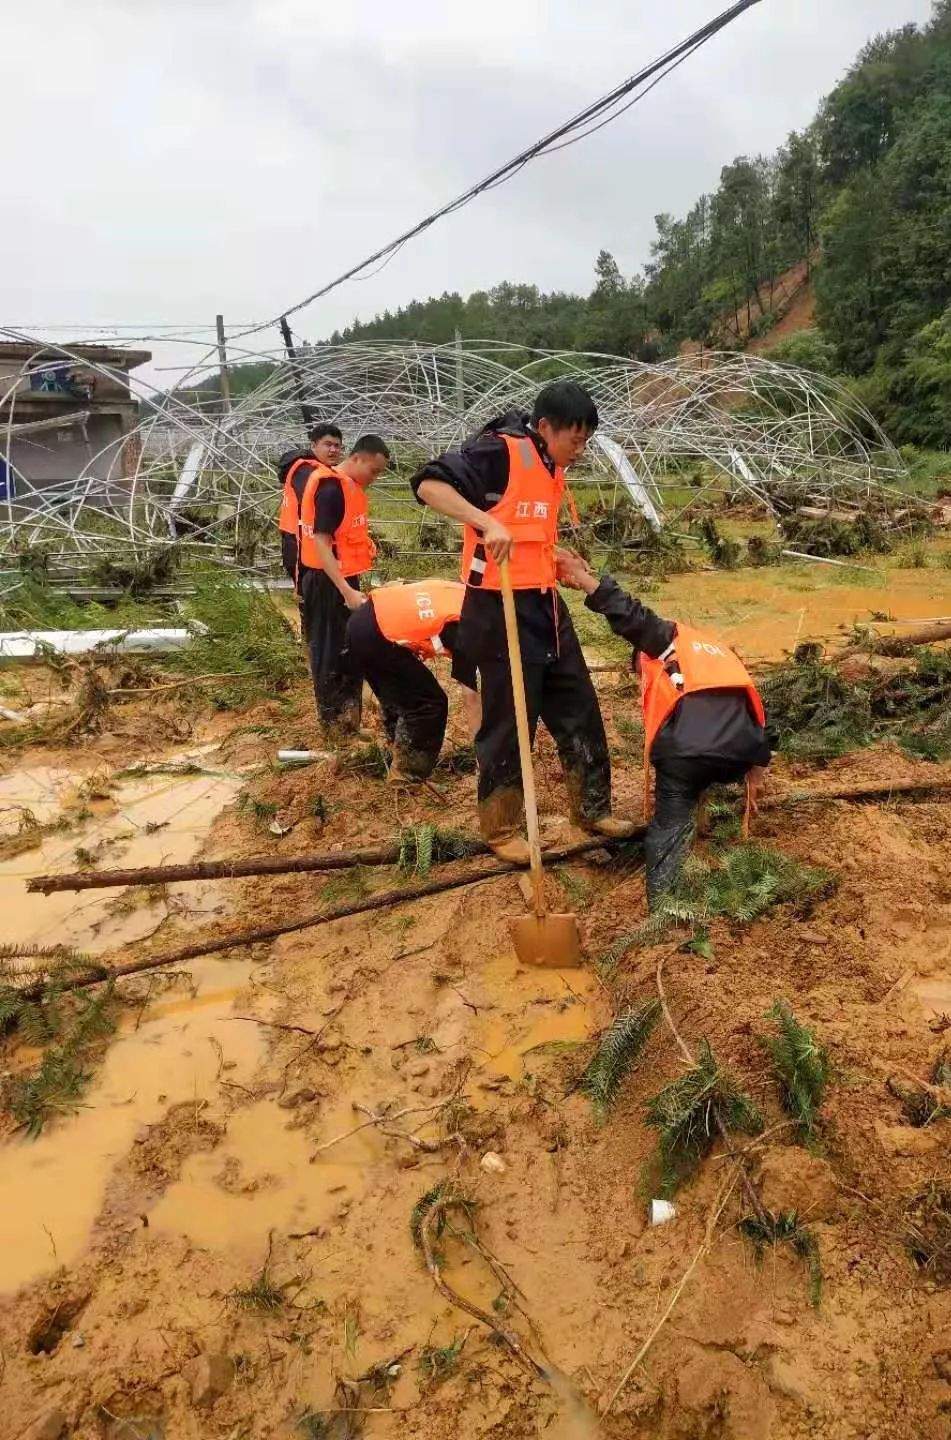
<point x="324" y="619"/>
<point x="678" y="788"/>
<point x="561" y="694"/>
<point x="414" y="704"/>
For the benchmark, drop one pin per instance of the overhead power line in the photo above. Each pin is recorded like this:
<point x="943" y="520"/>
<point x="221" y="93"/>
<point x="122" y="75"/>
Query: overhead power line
<point x="593" y="117"/>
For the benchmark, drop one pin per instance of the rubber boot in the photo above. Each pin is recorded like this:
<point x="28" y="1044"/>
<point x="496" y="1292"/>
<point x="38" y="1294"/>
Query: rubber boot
<point x="610" y="827"/>
<point x="500" y="819"/>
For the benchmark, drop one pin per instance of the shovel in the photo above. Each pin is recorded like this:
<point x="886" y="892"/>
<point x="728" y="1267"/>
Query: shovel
<point x="539" y="938"/>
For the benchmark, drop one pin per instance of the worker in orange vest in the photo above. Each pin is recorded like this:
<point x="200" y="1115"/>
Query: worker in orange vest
<point x="506" y="487"/>
<point x="294" y="469"/>
<point x="335" y="551"/>
<point x="388" y="640"/>
<point x="704" y="722"/>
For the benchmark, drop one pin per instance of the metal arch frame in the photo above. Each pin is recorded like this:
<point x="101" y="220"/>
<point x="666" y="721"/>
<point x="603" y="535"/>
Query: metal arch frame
<point x="787" y="426"/>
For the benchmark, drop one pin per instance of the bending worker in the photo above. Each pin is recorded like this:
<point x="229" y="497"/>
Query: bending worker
<point x="704" y="722"/>
<point x="336" y="550"/>
<point x="506" y="487"/>
<point x="388" y="640"/>
<point x="294" y="469"/>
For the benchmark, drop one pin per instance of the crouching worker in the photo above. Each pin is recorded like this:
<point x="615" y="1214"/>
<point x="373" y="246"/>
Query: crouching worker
<point x="704" y="722"/>
<point x="388" y="640"/>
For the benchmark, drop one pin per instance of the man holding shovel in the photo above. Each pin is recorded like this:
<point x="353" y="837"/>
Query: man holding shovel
<point x="704" y="722"/>
<point x="505" y="486"/>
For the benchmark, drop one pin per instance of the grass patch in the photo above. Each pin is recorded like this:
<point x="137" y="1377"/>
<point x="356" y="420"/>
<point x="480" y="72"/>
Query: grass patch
<point x="802" y="1067"/>
<point x="687" y="1115"/>
<point x="239" y="632"/>
<point x="619" y="1050"/>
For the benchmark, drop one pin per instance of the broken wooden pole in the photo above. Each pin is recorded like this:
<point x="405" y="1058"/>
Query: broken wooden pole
<point x="99" y="974"/>
<point x="222" y="869"/>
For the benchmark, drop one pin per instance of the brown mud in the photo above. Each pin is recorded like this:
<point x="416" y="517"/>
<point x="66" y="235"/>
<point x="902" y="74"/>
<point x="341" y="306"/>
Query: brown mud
<point x="206" y="1248"/>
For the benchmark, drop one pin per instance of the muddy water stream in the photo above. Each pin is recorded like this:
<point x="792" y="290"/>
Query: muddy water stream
<point x="143" y="821"/>
<point x="52" y="1188"/>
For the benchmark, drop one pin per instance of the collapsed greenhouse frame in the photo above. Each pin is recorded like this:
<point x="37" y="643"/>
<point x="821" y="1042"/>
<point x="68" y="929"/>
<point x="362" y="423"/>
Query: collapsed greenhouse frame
<point x="203" y="476"/>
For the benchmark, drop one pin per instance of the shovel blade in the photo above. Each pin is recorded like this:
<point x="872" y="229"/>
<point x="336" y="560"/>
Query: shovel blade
<point x="550" y="940"/>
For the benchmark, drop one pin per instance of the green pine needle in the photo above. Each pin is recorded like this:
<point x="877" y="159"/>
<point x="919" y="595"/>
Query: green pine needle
<point x="620" y="1048"/>
<point x="802" y="1067"/>
<point x="685" y="1115"/>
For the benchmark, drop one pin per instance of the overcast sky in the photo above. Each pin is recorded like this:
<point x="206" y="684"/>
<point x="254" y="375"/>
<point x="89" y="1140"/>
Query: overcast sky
<point x="167" y="159"/>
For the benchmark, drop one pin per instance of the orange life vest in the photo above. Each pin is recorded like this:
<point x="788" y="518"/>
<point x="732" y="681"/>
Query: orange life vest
<point x="352" y="543"/>
<point x="289" y="518"/>
<point x="692" y="662"/>
<point x="529" y="510"/>
<point x="415" y="614"/>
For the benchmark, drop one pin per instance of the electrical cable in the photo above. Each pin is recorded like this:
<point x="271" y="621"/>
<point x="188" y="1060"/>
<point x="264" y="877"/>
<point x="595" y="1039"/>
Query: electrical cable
<point x="602" y="110"/>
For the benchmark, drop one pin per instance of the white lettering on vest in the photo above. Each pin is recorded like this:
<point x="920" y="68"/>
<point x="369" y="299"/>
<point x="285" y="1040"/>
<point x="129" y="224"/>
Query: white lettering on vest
<point x="708" y="649"/>
<point x="541" y="510"/>
<point x="523" y="509"/>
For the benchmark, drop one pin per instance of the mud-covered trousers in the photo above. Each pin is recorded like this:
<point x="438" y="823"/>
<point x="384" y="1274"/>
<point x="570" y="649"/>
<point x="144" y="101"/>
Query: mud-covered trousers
<point x="560" y="693"/>
<point x="414" y="704"/>
<point x="324" y="616"/>
<point x="678" y="787"/>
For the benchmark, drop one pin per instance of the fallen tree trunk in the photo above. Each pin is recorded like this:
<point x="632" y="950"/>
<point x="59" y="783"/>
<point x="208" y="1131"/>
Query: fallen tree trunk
<point x="386" y="854"/>
<point x="99" y="973"/>
<point x="897" y="788"/>
<point x="221" y="869"/>
<point x="899" y="644"/>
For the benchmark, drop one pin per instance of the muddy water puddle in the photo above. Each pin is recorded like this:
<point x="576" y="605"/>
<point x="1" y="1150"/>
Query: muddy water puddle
<point x="52" y="1188"/>
<point x="261" y="1178"/>
<point x="140" y="821"/>
<point x="766" y="612"/>
<point x="545" y="1010"/>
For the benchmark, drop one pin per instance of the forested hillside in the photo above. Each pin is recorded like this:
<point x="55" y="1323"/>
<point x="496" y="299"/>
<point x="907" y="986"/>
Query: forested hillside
<point x="862" y="198"/>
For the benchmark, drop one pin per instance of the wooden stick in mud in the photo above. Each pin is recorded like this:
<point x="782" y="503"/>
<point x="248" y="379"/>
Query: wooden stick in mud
<point x="390" y="854"/>
<point x="99" y="973"/>
<point x="222" y="869"/>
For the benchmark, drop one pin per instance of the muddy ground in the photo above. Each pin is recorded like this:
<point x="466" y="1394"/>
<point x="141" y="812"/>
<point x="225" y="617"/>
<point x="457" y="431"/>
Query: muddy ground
<point x="202" y="1250"/>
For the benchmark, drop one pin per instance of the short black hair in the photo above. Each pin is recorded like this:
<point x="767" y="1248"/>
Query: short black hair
<point x="371" y="445"/>
<point x="320" y="432"/>
<point x="567" y="405"/>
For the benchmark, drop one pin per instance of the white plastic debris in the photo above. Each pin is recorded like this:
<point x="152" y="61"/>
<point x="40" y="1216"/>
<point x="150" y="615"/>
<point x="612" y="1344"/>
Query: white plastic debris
<point x="30" y="644"/>
<point x="493" y="1163"/>
<point x="303" y="757"/>
<point x="276" y="828"/>
<point x="662" y="1211"/>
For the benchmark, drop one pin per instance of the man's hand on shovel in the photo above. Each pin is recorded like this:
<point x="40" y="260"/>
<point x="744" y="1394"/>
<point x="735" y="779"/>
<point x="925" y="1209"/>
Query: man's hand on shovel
<point x="497" y="540"/>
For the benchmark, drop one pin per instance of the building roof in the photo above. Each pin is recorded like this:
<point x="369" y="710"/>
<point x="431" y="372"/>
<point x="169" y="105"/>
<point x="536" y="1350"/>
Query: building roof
<point x="117" y="356"/>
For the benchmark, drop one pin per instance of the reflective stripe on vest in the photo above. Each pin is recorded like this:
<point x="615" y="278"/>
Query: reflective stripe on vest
<point x="694" y="661"/>
<point x="353" y="546"/>
<point x="415" y="614"/>
<point x="289" y="518"/>
<point x="529" y="510"/>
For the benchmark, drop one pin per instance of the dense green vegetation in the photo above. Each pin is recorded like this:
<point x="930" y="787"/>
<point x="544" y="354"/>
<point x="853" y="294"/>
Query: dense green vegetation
<point x="862" y="197"/>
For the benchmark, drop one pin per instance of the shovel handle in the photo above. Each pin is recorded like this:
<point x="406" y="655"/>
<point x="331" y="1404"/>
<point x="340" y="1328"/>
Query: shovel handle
<point x="524" y="739"/>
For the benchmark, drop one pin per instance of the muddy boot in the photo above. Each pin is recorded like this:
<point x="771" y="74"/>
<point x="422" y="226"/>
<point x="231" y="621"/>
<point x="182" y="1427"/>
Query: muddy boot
<point x="500" y="819"/>
<point x="610" y="827"/>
